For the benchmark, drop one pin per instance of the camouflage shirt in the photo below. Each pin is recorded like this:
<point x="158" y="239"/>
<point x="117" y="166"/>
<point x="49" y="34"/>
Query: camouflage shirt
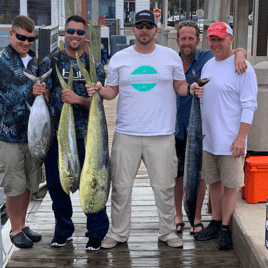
<point x="15" y="91"/>
<point x="52" y="83"/>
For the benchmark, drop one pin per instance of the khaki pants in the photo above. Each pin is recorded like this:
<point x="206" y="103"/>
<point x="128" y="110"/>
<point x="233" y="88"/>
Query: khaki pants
<point x="224" y="168"/>
<point x="18" y="170"/>
<point x="159" y="156"/>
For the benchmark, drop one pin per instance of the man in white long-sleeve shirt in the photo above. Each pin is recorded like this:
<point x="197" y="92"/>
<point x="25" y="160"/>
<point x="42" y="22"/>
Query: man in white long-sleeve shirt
<point x="228" y="105"/>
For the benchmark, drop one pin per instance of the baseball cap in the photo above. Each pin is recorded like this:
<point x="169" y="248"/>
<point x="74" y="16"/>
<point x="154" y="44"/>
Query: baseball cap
<point x="145" y="15"/>
<point x="219" y="29"/>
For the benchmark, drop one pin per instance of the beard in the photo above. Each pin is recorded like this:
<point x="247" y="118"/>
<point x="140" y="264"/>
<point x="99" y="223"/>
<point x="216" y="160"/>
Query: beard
<point x="188" y="53"/>
<point x="143" y="41"/>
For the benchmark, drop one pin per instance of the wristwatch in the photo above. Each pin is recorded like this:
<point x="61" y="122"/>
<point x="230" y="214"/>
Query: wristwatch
<point x="188" y="90"/>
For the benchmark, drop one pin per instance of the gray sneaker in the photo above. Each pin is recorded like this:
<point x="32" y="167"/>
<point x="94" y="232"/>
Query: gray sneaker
<point x="172" y="242"/>
<point x="108" y="242"/>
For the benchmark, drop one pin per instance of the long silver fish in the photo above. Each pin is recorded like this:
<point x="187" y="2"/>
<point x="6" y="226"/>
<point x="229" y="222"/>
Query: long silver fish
<point x="95" y="177"/>
<point x="69" y="164"/>
<point x="193" y="155"/>
<point x="40" y="125"/>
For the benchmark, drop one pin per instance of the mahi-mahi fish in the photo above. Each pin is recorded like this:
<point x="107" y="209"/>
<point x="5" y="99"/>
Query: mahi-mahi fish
<point x="68" y="162"/>
<point x="193" y="155"/>
<point x="40" y="125"/>
<point x="95" y="177"/>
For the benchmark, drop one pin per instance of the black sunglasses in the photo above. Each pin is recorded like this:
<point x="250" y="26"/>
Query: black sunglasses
<point x="148" y="26"/>
<point x="188" y="22"/>
<point x="23" y="38"/>
<point x="78" y="31"/>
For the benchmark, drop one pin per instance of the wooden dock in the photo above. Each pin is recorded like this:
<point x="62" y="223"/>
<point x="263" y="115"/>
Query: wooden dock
<point x="142" y="249"/>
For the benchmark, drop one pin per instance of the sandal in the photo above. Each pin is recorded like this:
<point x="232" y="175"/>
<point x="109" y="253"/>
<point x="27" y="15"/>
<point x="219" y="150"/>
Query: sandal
<point x="21" y="240"/>
<point x="182" y="224"/>
<point x="195" y="226"/>
<point x="34" y="236"/>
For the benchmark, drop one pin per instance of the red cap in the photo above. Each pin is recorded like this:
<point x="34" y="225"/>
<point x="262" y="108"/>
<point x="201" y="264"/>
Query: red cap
<point x="219" y="29"/>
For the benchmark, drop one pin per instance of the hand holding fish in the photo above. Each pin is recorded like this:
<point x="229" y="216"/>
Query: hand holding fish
<point x="68" y="96"/>
<point x="198" y="90"/>
<point x="39" y="89"/>
<point x="91" y="90"/>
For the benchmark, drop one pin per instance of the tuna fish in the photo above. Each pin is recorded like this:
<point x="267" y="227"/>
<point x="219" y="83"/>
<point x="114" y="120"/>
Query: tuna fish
<point x="193" y="155"/>
<point x="69" y="164"/>
<point x="95" y="177"/>
<point x="40" y="125"/>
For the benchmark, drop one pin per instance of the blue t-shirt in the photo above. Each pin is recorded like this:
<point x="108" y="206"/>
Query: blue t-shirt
<point x="184" y="103"/>
<point x="52" y="83"/>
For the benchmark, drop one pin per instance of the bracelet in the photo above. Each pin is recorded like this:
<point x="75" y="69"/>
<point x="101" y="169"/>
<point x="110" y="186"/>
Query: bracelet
<point x="188" y="90"/>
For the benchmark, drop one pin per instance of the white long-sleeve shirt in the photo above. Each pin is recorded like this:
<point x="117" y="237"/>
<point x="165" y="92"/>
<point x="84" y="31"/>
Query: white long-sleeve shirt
<point x="228" y="100"/>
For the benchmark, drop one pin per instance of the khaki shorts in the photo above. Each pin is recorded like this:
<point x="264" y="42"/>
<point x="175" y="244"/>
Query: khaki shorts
<point x="224" y="168"/>
<point x="158" y="154"/>
<point x="18" y="170"/>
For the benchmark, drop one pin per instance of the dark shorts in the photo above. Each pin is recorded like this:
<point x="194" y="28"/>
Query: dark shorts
<point x="180" y="151"/>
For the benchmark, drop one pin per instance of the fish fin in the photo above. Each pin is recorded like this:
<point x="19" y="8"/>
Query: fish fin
<point x="62" y="82"/>
<point x="84" y="71"/>
<point x="203" y="136"/>
<point x="30" y="76"/>
<point x="70" y="79"/>
<point x="43" y="77"/>
<point x="92" y="69"/>
<point x="200" y="82"/>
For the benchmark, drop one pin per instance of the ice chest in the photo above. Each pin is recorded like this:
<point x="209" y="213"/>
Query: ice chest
<point x="256" y="179"/>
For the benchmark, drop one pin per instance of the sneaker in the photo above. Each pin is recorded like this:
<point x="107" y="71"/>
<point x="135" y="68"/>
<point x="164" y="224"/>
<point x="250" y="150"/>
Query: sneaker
<point x="108" y="242"/>
<point x="93" y="243"/>
<point x="60" y="241"/>
<point x="21" y="240"/>
<point x="208" y="233"/>
<point x="34" y="236"/>
<point x="174" y="242"/>
<point x="225" y="241"/>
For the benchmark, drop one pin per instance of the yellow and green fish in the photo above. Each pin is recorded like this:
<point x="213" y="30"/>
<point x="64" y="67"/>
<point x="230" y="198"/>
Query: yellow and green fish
<point x="68" y="163"/>
<point x="95" y="177"/>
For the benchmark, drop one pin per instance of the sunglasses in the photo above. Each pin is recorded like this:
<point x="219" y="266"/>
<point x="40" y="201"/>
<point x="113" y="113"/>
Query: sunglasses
<point x="148" y="26"/>
<point x="78" y="31"/>
<point x="188" y="22"/>
<point x="23" y="38"/>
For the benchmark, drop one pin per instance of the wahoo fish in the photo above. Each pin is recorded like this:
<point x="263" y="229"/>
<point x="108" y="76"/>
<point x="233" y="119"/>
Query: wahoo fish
<point x="95" y="177"/>
<point x="69" y="164"/>
<point x="40" y="125"/>
<point x="193" y="155"/>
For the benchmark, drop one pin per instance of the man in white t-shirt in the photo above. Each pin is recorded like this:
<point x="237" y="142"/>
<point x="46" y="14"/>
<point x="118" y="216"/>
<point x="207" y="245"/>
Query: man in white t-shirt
<point x="145" y="76"/>
<point x="227" y="106"/>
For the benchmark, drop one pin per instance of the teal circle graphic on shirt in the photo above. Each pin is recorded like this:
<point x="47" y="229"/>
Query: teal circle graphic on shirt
<point x="144" y="78"/>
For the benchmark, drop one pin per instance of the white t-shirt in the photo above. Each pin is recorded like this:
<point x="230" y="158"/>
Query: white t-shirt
<point x="228" y="100"/>
<point x="147" y="100"/>
<point x="26" y="60"/>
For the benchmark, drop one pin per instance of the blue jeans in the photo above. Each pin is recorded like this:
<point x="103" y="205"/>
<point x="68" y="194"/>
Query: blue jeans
<point x="97" y="224"/>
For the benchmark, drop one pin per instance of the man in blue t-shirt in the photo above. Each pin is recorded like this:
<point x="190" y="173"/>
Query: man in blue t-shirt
<point x="192" y="59"/>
